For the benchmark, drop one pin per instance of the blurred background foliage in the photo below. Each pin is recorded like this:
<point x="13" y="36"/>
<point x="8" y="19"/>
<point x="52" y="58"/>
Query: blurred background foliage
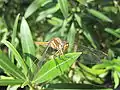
<point x="91" y="23"/>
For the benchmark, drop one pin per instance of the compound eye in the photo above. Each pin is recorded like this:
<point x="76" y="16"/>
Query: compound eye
<point x="66" y="46"/>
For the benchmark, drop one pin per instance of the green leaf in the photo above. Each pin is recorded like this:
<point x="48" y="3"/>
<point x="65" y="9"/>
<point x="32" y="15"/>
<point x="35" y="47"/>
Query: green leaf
<point x="83" y="2"/>
<point x="111" y="54"/>
<point x="71" y="37"/>
<point x="74" y="86"/>
<point x="47" y="12"/>
<point x="89" y="36"/>
<point x="15" y="29"/>
<point x="113" y="32"/>
<point x="55" y="67"/>
<point x="14" y="35"/>
<point x="19" y="59"/>
<point x="116" y="79"/>
<point x="117" y="30"/>
<point x="13" y="87"/>
<point x="36" y="4"/>
<point x="103" y="65"/>
<point x="78" y="18"/>
<point x="27" y="44"/>
<point x="91" y="70"/>
<point x="64" y="7"/>
<point x="9" y="67"/>
<point x="6" y="82"/>
<point x="99" y="15"/>
<point x="55" y="21"/>
<point x="110" y="9"/>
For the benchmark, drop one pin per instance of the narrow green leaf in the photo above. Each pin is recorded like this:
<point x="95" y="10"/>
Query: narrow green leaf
<point x="105" y="64"/>
<point x="93" y="78"/>
<point x="55" y="67"/>
<point x="83" y="2"/>
<point x="89" y="36"/>
<point x="15" y="29"/>
<point x="117" y="30"/>
<point x="117" y="68"/>
<point x="14" y="35"/>
<point x="99" y="15"/>
<point x="47" y="12"/>
<point x="28" y="47"/>
<point x="6" y="82"/>
<point x="64" y="7"/>
<point x="36" y="4"/>
<point x="116" y="79"/>
<point x="9" y="67"/>
<point x="74" y="86"/>
<point x="55" y="21"/>
<point x="78" y="19"/>
<point x="19" y="59"/>
<point x="113" y="32"/>
<point x="71" y="37"/>
<point x="91" y="70"/>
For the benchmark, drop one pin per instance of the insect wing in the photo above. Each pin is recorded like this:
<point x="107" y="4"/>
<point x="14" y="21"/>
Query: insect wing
<point x="43" y="59"/>
<point x="91" y="56"/>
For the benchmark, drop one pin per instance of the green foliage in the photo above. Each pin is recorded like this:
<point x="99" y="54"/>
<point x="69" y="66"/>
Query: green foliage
<point x="79" y="12"/>
<point x="23" y="73"/>
<point x="63" y="4"/>
<point x="99" y="15"/>
<point x="113" y="66"/>
<point x="28" y="47"/>
<point x="93" y="23"/>
<point x="56" y="67"/>
<point x="9" y="67"/>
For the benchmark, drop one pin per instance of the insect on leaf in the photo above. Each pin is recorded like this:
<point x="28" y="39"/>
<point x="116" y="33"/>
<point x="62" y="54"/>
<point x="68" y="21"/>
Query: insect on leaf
<point x="55" y="67"/>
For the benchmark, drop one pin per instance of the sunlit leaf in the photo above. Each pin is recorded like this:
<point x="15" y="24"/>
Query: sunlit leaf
<point x="99" y="15"/>
<point x="55" y="67"/>
<point x="91" y="70"/>
<point x="117" y="30"/>
<point x="102" y="65"/>
<point x="6" y="82"/>
<point x="9" y="67"/>
<point x="110" y="54"/>
<point x="71" y="37"/>
<point x="55" y="21"/>
<point x="19" y="59"/>
<point x="11" y="87"/>
<point x="78" y="19"/>
<point x="14" y="35"/>
<point x="36" y="4"/>
<point x="83" y="2"/>
<point x="112" y="31"/>
<point x="64" y="7"/>
<point x="116" y="79"/>
<point x="28" y="47"/>
<point x="15" y="29"/>
<point x="47" y="12"/>
<point x="110" y="9"/>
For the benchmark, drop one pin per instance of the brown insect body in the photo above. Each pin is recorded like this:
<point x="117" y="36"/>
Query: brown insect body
<point x="56" y="43"/>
